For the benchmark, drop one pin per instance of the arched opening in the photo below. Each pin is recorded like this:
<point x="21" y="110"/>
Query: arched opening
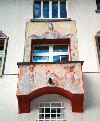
<point x="76" y="99"/>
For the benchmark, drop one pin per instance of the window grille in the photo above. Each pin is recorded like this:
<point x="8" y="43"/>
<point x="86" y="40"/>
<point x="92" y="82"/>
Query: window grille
<point x="51" y="111"/>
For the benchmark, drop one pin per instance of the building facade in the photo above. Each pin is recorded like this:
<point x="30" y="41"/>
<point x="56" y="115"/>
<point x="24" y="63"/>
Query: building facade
<point x="50" y="43"/>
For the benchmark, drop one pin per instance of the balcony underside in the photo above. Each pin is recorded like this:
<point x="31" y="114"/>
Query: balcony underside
<point x="36" y="79"/>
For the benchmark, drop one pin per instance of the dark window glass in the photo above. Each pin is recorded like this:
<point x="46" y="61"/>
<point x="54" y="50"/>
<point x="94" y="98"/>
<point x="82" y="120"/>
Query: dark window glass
<point x="40" y="58"/>
<point x="54" y="9"/>
<point x="53" y="110"/>
<point x="98" y="4"/>
<point x="37" y="13"/>
<point x="47" y="110"/>
<point x="98" y="47"/>
<point x="63" y="13"/>
<point x="60" y="48"/>
<point x="45" y="9"/>
<point x="1" y="47"/>
<point x="0" y="60"/>
<point x="64" y="58"/>
<point x="41" y="49"/>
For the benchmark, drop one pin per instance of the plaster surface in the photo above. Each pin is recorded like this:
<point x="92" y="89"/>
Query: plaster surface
<point x="15" y="14"/>
<point x="8" y="101"/>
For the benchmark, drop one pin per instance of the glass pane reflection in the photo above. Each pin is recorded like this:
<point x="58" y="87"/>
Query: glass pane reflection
<point x="64" y="58"/>
<point x="45" y="9"/>
<point x="63" y="13"/>
<point x="56" y="58"/>
<point x="37" y="10"/>
<point x="98" y="6"/>
<point x="41" y="49"/>
<point x="54" y="9"/>
<point x="60" y="48"/>
<point x="40" y="58"/>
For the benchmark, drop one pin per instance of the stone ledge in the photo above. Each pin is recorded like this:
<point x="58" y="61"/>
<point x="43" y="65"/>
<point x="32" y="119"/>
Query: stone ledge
<point x="97" y="11"/>
<point x="50" y="20"/>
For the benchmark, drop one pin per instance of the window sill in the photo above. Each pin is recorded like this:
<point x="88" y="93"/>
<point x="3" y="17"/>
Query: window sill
<point x="97" y="11"/>
<point x="50" y="20"/>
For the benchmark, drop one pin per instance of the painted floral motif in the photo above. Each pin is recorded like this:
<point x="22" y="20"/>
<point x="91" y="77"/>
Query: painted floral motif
<point x="66" y="76"/>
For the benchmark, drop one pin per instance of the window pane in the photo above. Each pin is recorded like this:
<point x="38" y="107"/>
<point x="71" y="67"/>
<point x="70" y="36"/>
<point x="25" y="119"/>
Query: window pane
<point x="64" y="58"/>
<point x="98" y="6"/>
<point x="60" y="48"/>
<point x="45" y="9"/>
<point x="40" y="58"/>
<point x="63" y="13"/>
<point x="98" y="47"/>
<point x="53" y="110"/>
<point x="0" y="60"/>
<point x="47" y="110"/>
<point x="41" y="116"/>
<point x="58" y="110"/>
<point x="37" y="13"/>
<point x="55" y="104"/>
<point x="41" y="49"/>
<point x="56" y="58"/>
<point x="1" y="48"/>
<point x="54" y="9"/>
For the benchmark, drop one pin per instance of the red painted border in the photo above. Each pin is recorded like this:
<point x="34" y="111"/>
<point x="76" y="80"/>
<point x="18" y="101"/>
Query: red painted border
<point x="76" y="99"/>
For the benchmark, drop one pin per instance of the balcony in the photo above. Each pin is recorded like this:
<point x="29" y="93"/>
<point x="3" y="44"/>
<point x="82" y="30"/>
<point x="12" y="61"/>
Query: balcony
<point x="63" y="78"/>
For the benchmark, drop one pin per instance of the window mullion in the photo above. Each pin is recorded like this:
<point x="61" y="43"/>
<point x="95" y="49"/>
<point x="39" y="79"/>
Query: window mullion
<point x="58" y="9"/>
<point x="50" y="9"/>
<point x="41" y="9"/>
<point x="51" y="53"/>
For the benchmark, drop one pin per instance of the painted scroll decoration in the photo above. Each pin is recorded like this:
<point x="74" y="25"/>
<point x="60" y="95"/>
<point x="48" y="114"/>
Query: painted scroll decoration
<point x="52" y="34"/>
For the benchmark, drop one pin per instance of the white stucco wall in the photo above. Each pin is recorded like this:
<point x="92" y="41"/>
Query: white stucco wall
<point x="88" y="24"/>
<point x="9" y="105"/>
<point x="15" y="13"/>
<point x="13" y="17"/>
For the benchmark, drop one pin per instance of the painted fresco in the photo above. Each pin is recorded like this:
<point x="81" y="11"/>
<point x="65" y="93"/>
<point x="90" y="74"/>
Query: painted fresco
<point x="66" y="76"/>
<point x="51" y="33"/>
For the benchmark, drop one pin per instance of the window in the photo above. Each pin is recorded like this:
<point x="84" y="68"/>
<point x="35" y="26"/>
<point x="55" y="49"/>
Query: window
<point x="50" y="53"/>
<point x="98" y="46"/>
<point x="1" y="53"/>
<point x="50" y="9"/>
<point x="98" y="4"/>
<point x="51" y="111"/>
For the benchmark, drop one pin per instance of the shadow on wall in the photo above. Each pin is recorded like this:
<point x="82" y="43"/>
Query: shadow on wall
<point x="92" y="91"/>
<point x="49" y="98"/>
